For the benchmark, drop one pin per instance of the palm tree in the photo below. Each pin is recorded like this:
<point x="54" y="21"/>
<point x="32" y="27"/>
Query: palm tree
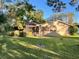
<point x="70" y="18"/>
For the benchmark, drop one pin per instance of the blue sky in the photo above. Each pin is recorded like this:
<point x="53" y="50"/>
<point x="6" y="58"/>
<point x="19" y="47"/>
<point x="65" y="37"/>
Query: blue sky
<point x="41" y="5"/>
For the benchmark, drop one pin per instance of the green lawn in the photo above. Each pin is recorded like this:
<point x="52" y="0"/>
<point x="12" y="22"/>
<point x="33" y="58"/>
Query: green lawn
<point x="75" y="35"/>
<point x="39" y="48"/>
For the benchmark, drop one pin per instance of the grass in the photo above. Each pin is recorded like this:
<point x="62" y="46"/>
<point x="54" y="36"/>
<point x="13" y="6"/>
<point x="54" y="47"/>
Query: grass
<point x="75" y="35"/>
<point x="39" y="48"/>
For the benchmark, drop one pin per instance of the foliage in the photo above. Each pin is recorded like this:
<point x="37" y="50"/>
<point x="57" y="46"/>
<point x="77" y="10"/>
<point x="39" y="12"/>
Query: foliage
<point x="36" y="16"/>
<point x="77" y="8"/>
<point x="22" y="34"/>
<point x="76" y="24"/>
<point x="22" y="9"/>
<point x="58" y="16"/>
<point x="29" y="7"/>
<point x="17" y="12"/>
<point x="4" y="26"/>
<point x="58" y="5"/>
<point x="73" y="29"/>
<point x="3" y="18"/>
<point x="8" y="27"/>
<point x="20" y="12"/>
<point x="73" y="2"/>
<point x="16" y="33"/>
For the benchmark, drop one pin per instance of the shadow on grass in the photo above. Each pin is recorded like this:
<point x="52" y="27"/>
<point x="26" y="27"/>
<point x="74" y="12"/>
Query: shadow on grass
<point x="38" y="48"/>
<point x="19" y="49"/>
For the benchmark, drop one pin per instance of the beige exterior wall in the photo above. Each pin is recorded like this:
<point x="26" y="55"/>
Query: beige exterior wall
<point x="61" y="28"/>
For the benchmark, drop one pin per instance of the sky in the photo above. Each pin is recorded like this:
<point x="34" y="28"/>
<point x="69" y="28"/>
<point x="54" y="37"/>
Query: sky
<point x="41" y="5"/>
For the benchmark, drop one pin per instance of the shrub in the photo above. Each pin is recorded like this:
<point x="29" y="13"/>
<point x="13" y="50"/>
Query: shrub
<point x="75" y="29"/>
<point x="16" y="33"/>
<point x="22" y="34"/>
<point x="11" y="33"/>
<point x="72" y="30"/>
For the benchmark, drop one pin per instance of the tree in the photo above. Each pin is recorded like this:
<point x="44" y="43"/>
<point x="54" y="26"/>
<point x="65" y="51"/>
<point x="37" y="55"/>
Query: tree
<point x="36" y="16"/>
<point x="19" y="10"/>
<point x="4" y="26"/>
<point x="70" y="18"/>
<point x="58" y="5"/>
<point x="3" y="18"/>
<point x="76" y="24"/>
<point x="58" y="16"/>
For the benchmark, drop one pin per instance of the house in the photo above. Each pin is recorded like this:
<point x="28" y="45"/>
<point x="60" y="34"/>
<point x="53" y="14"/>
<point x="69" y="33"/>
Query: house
<point x="55" y="28"/>
<point x="59" y="27"/>
<point x="32" y="28"/>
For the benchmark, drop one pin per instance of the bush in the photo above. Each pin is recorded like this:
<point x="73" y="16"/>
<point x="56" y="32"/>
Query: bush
<point x="16" y="33"/>
<point x="22" y="34"/>
<point x="72" y="30"/>
<point x="11" y="33"/>
<point x="75" y="29"/>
